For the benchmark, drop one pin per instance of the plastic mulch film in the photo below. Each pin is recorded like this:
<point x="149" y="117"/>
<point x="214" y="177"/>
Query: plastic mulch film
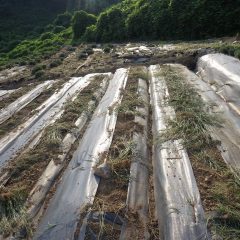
<point x="5" y="93"/>
<point x="222" y="72"/>
<point x="79" y="184"/>
<point x="138" y="189"/>
<point x="229" y="133"/>
<point x="178" y="205"/>
<point x="49" y="111"/>
<point x="21" y="102"/>
<point x="40" y="190"/>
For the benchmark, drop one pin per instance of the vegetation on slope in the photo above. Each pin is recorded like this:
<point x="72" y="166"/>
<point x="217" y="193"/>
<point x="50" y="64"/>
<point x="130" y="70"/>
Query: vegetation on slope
<point x="32" y="51"/>
<point x="93" y="6"/>
<point x="167" y="19"/>
<point x="25" y="19"/>
<point x="81" y="21"/>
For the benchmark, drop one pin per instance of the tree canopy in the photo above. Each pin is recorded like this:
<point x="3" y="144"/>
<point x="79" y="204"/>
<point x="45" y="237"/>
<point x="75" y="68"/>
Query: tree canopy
<point x="168" y="20"/>
<point x="81" y="20"/>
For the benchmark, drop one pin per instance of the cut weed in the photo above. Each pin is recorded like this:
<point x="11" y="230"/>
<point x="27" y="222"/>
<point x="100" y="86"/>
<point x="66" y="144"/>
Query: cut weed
<point x="218" y="187"/>
<point x="27" y="168"/>
<point x="112" y="192"/>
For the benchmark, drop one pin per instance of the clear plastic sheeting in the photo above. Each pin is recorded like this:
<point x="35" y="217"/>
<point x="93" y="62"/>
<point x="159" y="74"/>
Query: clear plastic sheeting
<point x="79" y="184"/>
<point x="129" y="52"/>
<point x="5" y="93"/>
<point x="229" y="133"/>
<point x="40" y="190"/>
<point x="9" y="74"/>
<point x="49" y="111"/>
<point x="222" y="72"/>
<point x="21" y="102"/>
<point x="178" y="205"/>
<point x="166" y="47"/>
<point x="137" y="197"/>
<point x="140" y="49"/>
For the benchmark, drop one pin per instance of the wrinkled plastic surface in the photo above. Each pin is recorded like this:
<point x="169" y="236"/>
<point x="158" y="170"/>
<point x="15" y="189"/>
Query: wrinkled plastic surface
<point x="5" y="93"/>
<point x="40" y="190"/>
<point x="178" y="205"/>
<point x="79" y="184"/>
<point x="229" y="133"/>
<point x="137" y="197"/>
<point x="9" y="74"/>
<point x="21" y="102"/>
<point x="140" y="49"/>
<point x="138" y="185"/>
<point x="49" y="111"/>
<point x="222" y="72"/>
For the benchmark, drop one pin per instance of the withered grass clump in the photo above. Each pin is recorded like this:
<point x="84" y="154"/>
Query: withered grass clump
<point x="26" y="169"/>
<point x="13" y="215"/>
<point x="112" y="193"/>
<point x="219" y="189"/>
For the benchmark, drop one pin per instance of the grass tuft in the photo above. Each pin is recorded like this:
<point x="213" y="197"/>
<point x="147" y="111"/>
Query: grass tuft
<point x="220" y="190"/>
<point x="193" y="122"/>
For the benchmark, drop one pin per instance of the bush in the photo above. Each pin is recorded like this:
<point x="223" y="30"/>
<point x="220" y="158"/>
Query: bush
<point x="58" y="29"/>
<point x="35" y="50"/>
<point x="63" y="19"/>
<point x="12" y="44"/>
<point x="49" y="28"/>
<point x="55" y="63"/>
<point x="38" y="68"/>
<point x="38" y="30"/>
<point x="39" y="74"/>
<point x="107" y="49"/>
<point x="47" y="35"/>
<point x="90" y="34"/>
<point x="81" y="21"/>
<point x="111" y="25"/>
<point x="237" y="53"/>
<point x="166" y="20"/>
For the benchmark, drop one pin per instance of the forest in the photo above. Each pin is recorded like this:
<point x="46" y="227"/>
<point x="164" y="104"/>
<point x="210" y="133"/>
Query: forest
<point x="32" y="29"/>
<point x="167" y="20"/>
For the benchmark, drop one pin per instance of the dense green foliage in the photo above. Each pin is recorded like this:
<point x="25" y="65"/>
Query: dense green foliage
<point x="25" y="19"/>
<point x="231" y="49"/>
<point x="168" y="19"/>
<point x="93" y="6"/>
<point x="82" y="20"/>
<point x="32" y="51"/>
<point x="63" y="19"/>
<point x="26" y="35"/>
<point x="34" y="29"/>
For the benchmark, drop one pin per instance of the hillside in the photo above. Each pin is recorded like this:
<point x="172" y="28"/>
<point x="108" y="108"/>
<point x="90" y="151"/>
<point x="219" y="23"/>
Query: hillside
<point x="92" y="6"/>
<point x="168" y="20"/>
<point x="119" y="121"/>
<point x="25" y="19"/>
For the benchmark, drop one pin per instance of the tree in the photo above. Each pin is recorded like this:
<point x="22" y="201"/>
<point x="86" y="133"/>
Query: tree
<point x="90" y="34"/>
<point x="63" y="19"/>
<point x="111" y="25"/>
<point x="81" y="21"/>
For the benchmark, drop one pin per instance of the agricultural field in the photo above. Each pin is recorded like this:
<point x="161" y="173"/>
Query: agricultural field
<point x="122" y="141"/>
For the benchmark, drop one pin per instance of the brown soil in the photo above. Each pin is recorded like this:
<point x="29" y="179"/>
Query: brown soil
<point x="112" y="193"/>
<point x="27" y="167"/>
<point x="28" y="111"/>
